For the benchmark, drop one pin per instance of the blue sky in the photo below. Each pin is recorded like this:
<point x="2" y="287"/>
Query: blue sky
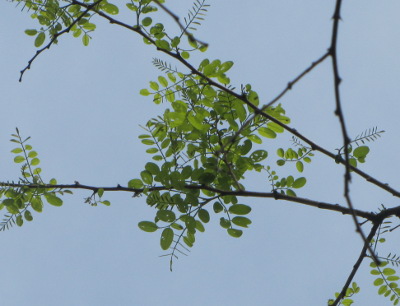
<point x="82" y="108"/>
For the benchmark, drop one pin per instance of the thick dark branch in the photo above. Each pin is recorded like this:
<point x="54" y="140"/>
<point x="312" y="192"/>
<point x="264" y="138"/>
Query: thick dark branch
<point x="339" y="113"/>
<point x="239" y="193"/>
<point x="357" y="264"/>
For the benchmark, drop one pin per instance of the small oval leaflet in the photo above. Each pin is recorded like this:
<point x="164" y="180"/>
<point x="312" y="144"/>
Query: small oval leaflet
<point x="224" y="222"/>
<point x="258" y="155"/>
<point x="135" y="184"/>
<point x="53" y="199"/>
<point x="266" y="132"/>
<point x="241" y="221"/>
<point x="300" y="182"/>
<point x="239" y="209"/>
<point x="299" y="166"/>
<point x="204" y="216"/>
<point x="218" y="207"/>
<point x="148" y="226"/>
<point x="235" y="232"/>
<point x="167" y="236"/>
<point x="166" y="215"/>
<point x="388" y="271"/>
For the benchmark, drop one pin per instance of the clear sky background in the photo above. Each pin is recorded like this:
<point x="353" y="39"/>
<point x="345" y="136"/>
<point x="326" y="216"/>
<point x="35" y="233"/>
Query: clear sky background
<point x="82" y="108"/>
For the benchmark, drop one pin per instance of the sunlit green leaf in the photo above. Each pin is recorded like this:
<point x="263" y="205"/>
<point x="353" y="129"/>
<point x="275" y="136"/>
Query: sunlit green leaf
<point x="235" y="232"/>
<point x="166" y="239"/>
<point x="239" y="209"/>
<point x="148" y="226"/>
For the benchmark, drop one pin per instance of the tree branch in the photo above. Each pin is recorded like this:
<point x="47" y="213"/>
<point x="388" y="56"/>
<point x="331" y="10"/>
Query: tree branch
<point x="339" y="113"/>
<point x="239" y="193"/>
<point x="66" y="30"/>
<point x="357" y="264"/>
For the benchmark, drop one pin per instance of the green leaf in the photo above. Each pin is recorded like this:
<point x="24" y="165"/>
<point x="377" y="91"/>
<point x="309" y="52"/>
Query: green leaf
<point x="89" y="26"/>
<point x="266" y="132"/>
<point x="100" y="192"/>
<point x="31" y="32"/>
<point x="378" y="281"/>
<point x="110" y="8"/>
<point x="200" y="226"/>
<point x="218" y="207"/>
<point x="388" y="271"/>
<point x="19" y="220"/>
<point x="258" y="155"/>
<point x="166" y="215"/>
<point x="299" y="166"/>
<point x="382" y="289"/>
<point x="185" y="55"/>
<point x="239" y="209"/>
<point x="32" y="154"/>
<point x="166" y="239"/>
<point x="206" y="178"/>
<point x="146" y="177"/>
<point x="135" y="184"/>
<point x="291" y="193"/>
<point x="255" y="139"/>
<point x="224" y="223"/>
<point x="280" y="162"/>
<point x="53" y="199"/>
<point x="106" y="203"/>
<point x="35" y="162"/>
<point x="37" y="204"/>
<point x="204" y="216"/>
<point x="190" y="223"/>
<point x="375" y="272"/>
<point x="148" y="226"/>
<point x="177" y="226"/>
<point x="145" y="92"/>
<point x="12" y="209"/>
<point x="280" y="152"/>
<point x="241" y="221"/>
<point x="152" y="168"/>
<point x="235" y="232"/>
<point x="85" y="40"/>
<point x="300" y="182"/>
<point x="39" y="40"/>
<point x="28" y="215"/>
<point x="361" y="152"/>
<point x="147" y="21"/>
<point x="19" y="159"/>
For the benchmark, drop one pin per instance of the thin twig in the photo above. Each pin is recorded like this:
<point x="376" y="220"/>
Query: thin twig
<point x="279" y="96"/>
<point x="183" y="29"/>
<point x="66" y="30"/>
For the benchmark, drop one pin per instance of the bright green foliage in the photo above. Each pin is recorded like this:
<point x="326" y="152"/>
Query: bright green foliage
<point x="387" y="280"/>
<point x="346" y="301"/>
<point x="299" y="156"/>
<point x="18" y="201"/>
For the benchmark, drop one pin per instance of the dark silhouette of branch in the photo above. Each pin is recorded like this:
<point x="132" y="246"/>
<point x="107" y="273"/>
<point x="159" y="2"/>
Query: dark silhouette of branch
<point x="66" y="30"/>
<point x="239" y="193"/>
<point x="339" y="113"/>
<point x="358" y="263"/>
